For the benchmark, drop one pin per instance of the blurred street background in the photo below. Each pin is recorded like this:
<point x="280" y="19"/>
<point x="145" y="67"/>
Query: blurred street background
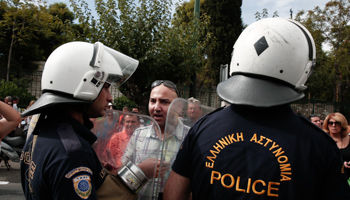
<point x="10" y="182"/>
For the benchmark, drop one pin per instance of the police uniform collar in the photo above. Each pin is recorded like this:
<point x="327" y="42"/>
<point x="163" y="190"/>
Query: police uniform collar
<point x="83" y="131"/>
<point x="78" y="127"/>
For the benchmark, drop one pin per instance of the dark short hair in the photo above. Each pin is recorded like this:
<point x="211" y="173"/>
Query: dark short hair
<point x="313" y="115"/>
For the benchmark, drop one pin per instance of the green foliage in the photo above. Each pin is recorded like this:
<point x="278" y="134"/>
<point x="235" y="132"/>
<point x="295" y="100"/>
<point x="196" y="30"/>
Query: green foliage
<point x="329" y="26"/>
<point x="16" y="87"/>
<point x="184" y="44"/>
<point x="264" y="14"/>
<point x="122" y="101"/>
<point x="225" y="27"/>
<point x="220" y="26"/>
<point x="29" y="32"/>
<point x="142" y="31"/>
<point x="62" y="28"/>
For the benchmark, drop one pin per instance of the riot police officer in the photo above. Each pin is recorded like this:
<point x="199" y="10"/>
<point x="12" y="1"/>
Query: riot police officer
<point x="258" y="148"/>
<point x="58" y="161"/>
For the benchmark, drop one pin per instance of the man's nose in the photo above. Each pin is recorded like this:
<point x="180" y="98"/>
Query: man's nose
<point x="109" y="96"/>
<point x="157" y="106"/>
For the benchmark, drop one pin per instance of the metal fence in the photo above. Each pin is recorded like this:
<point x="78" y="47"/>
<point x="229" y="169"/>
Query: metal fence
<point x="321" y="108"/>
<point x="306" y="109"/>
<point x="207" y="96"/>
<point x="34" y="86"/>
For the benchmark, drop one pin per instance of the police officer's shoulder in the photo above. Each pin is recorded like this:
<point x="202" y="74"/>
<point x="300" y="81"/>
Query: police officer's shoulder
<point x="69" y="138"/>
<point x="307" y="121"/>
<point x="205" y="117"/>
<point x="217" y="110"/>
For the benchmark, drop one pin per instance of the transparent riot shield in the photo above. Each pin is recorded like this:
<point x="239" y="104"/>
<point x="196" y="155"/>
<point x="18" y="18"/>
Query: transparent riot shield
<point x="128" y="144"/>
<point x="182" y="114"/>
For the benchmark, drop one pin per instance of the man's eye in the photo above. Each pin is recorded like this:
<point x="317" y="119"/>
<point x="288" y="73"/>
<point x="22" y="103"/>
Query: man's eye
<point x="106" y="85"/>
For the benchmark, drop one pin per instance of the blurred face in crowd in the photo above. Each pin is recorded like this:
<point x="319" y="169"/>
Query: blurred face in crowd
<point x="135" y="110"/>
<point x="8" y="99"/>
<point x="110" y="115"/>
<point x="193" y="111"/>
<point x="334" y="126"/>
<point x="317" y="121"/>
<point x="131" y="123"/>
<point x="159" y="102"/>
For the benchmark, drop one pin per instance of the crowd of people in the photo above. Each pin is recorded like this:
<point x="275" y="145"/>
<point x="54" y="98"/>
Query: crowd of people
<point x="132" y="139"/>
<point x="91" y="159"/>
<point x="13" y="102"/>
<point x="255" y="148"/>
<point x="23" y="125"/>
<point x="336" y="126"/>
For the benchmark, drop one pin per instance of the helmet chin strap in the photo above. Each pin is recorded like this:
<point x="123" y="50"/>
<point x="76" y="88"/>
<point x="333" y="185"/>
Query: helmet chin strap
<point x="87" y="121"/>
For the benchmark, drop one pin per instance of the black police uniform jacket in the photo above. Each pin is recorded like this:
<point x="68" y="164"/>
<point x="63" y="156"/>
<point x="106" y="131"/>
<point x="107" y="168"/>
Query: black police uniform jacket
<point x="63" y="164"/>
<point x="243" y="152"/>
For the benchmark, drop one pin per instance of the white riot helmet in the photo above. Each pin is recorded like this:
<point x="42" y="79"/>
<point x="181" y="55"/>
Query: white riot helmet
<point x="75" y="73"/>
<point x="271" y="61"/>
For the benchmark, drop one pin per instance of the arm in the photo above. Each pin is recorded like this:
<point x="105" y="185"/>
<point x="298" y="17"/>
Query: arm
<point x="347" y="164"/>
<point x="129" y="151"/>
<point x="110" y="159"/>
<point x="177" y="187"/>
<point x="10" y="121"/>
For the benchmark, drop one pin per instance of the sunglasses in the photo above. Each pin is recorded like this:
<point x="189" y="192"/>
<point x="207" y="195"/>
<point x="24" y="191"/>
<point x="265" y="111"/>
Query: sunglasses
<point x="166" y="83"/>
<point x="333" y="123"/>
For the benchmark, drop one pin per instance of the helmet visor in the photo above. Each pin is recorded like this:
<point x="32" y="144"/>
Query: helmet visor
<point x="127" y="64"/>
<point x="114" y="79"/>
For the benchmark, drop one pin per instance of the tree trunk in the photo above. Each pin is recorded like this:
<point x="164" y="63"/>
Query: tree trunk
<point x="9" y="60"/>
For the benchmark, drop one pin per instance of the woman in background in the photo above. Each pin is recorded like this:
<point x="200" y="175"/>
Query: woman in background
<point x="336" y="126"/>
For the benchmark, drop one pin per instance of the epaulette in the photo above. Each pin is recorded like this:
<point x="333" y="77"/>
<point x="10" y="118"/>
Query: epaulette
<point x="69" y="139"/>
